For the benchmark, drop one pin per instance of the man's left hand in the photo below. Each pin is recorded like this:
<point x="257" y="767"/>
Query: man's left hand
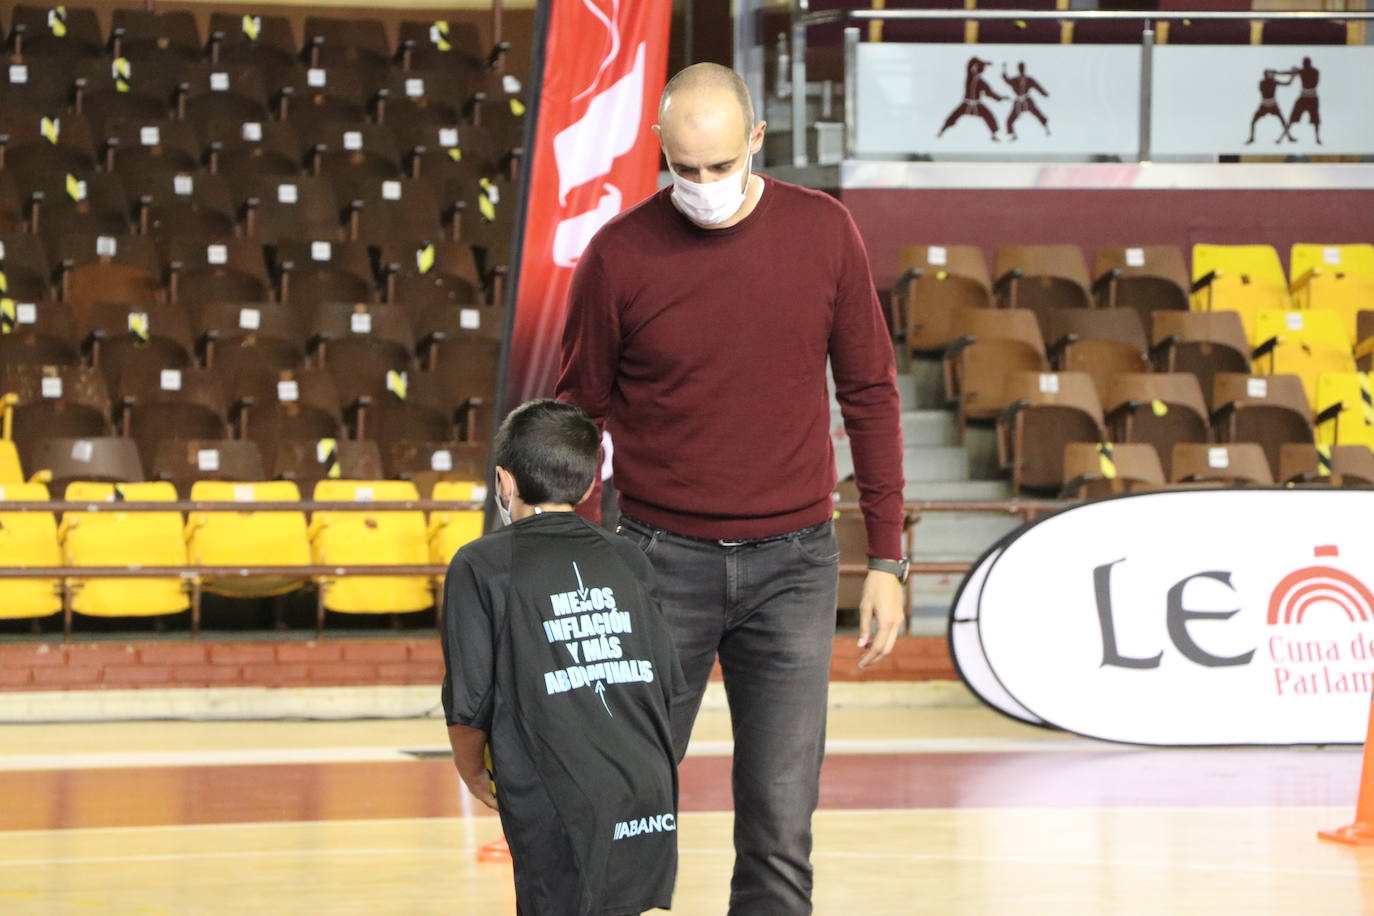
<point x="880" y="609"/>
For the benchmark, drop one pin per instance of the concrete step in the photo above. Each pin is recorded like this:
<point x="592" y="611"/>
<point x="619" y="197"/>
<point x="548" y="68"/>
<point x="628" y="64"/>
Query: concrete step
<point x="919" y="427"/>
<point x="935" y="463"/>
<point x="960" y="536"/>
<point x="948" y="489"/>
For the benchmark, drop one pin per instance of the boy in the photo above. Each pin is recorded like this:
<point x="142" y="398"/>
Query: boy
<point x="557" y="653"/>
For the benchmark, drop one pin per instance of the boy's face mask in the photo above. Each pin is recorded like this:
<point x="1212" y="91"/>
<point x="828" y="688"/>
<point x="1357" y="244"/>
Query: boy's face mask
<point x="503" y="509"/>
<point x="716" y="201"/>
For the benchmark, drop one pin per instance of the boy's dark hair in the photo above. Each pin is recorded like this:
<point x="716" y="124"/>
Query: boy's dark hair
<point x="550" y="449"/>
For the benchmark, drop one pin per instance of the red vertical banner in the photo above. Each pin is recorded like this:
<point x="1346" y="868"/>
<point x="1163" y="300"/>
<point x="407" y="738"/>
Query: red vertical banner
<point x="605" y="65"/>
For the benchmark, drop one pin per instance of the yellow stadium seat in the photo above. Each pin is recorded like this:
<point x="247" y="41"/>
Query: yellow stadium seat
<point x="1357" y="260"/>
<point x="1346" y="416"/>
<point x="248" y="538"/>
<point x="449" y="530"/>
<point x="10" y="470"/>
<point x="1304" y="343"/>
<point x="373" y="537"/>
<point x="113" y="538"/>
<point x="1242" y="278"/>
<point x="28" y="539"/>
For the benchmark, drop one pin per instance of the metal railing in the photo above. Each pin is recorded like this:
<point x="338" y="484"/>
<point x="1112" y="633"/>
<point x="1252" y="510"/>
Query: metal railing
<point x="802" y="19"/>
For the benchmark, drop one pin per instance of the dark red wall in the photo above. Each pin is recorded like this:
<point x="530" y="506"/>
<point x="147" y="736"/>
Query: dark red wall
<point x="889" y="219"/>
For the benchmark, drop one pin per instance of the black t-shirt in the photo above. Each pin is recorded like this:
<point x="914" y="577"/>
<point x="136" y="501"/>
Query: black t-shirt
<point x="555" y="645"/>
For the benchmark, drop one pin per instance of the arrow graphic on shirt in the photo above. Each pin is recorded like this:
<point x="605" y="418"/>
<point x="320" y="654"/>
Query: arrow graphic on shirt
<point x="581" y="589"/>
<point x="601" y="692"/>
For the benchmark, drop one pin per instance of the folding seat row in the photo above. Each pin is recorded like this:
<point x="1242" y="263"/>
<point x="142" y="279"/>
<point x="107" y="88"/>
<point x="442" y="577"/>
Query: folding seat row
<point x="195" y="272"/>
<point x="74" y="33"/>
<point x="368" y="535"/>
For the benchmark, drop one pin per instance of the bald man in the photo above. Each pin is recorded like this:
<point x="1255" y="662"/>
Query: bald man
<point x="700" y="324"/>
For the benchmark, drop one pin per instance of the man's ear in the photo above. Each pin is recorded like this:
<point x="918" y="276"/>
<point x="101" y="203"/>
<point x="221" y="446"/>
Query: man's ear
<point x="756" y="138"/>
<point x="505" y="479"/>
<point x="586" y="493"/>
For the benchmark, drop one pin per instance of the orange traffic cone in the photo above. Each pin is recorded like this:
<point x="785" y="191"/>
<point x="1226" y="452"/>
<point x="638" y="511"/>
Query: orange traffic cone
<point x="1360" y="833"/>
<point x="498" y="851"/>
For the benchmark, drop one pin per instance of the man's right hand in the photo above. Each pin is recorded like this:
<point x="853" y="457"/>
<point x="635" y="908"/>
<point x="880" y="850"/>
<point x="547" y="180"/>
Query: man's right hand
<point x="481" y="790"/>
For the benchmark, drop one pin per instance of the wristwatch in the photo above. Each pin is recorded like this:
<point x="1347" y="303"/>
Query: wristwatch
<point x="898" y="568"/>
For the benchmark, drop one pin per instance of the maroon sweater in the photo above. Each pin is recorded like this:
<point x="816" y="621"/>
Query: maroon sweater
<point x="704" y="352"/>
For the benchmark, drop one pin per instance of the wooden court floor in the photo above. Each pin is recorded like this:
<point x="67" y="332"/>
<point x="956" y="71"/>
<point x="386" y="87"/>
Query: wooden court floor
<point x="941" y="811"/>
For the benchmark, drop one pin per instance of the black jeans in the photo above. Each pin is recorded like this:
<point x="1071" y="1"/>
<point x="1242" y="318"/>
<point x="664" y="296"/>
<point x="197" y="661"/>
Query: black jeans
<point x="768" y="610"/>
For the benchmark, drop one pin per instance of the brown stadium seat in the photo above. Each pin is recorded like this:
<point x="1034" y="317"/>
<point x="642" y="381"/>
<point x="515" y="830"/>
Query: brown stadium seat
<point x="392" y="210"/>
<point x="206" y="270"/>
<point x="241" y="336"/>
<point x="117" y="337"/>
<point x="1160" y="408"/>
<point x="988" y="345"/>
<point x="66" y="203"/>
<point x="324" y="271"/>
<point x="42" y="31"/>
<point x="1146" y="278"/>
<point x="346" y="150"/>
<point x="154" y="404"/>
<point x="24" y="262"/>
<point x="1100" y="342"/>
<point x="39" y="333"/>
<point x="430" y="273"/>
<point x="108" y="268"/>
<point x="314" y="94"/>
<point x="1045" y="411"/>
<point x="442" y="153"/>
<point x="421" y="97"/>
<point x="1096" y="469"/>
<point x="500" y="112"/>
<point x="451" y="47"/>
<point x="262" y="42"/>
<point x="284" y="208"/>
<point x="483" y="216"/>
<point x="379" y="336"/>
<point x="64" y="459"/>
<point x="1269" y="410"/>
<point x="42" y="144"/>
<point x="43" y="401"/>
<point x="421" y="415"/>
<point x="142" y="90"/>
<point x="1040" y="277"/>
<point x="275" y="407"/>
<point x="185" y="461"/>
<point x="172" y="205"/>
<point x="1236" y="463"/>
<point x="428" y="463"/>
<point x="464" y="367"/>
<point x="228" y="91"/>
<point x="350" y="42"/>
<point x="307" y="462"/>
<point x="1205" y="32"/>
<point x="1200" y="343"/>
<point x="42" y="85"/>
<point x="145" y="35"/>
<point x="934" y="282"/>
<point x="1334" y="465"/>
<point x="245" y="150"/>
<point x="1016" y="31"/>
<point x="12" y="218"/>
<point x="134" y="145"/>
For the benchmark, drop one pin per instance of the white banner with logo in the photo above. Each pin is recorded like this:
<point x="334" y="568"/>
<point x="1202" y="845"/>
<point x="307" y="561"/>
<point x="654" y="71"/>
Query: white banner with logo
<point x="1022" y="100"/>
<point x="1262" y="100"/>
<point x="1196" y="617"/>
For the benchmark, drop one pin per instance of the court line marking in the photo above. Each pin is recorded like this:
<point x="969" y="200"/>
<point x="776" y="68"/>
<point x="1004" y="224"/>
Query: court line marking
<point x="450" y="851"/>
<point x="384" y="754"/>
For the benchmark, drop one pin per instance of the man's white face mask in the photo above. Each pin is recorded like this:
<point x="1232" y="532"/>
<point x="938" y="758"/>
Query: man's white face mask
<point x="714" y="202"/>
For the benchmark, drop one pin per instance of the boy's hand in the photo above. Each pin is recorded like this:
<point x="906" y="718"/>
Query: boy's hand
<point x="881" y="604"/>
<point x="481" y="790"/>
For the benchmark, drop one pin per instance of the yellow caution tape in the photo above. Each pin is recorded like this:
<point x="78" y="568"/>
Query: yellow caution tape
<point x="123" y="71"/>
<point x="1324" y="460"/>
<point x="139" y="325"/>
<point x="424" y="258"/>
<point x="50" y="128"/>
<point x="1159" y="407"/>
<point x="1106" y="460"/>
<point x="57" y="21"/>
<point x="397" y="383"/>
<point x="252" y="27"/>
